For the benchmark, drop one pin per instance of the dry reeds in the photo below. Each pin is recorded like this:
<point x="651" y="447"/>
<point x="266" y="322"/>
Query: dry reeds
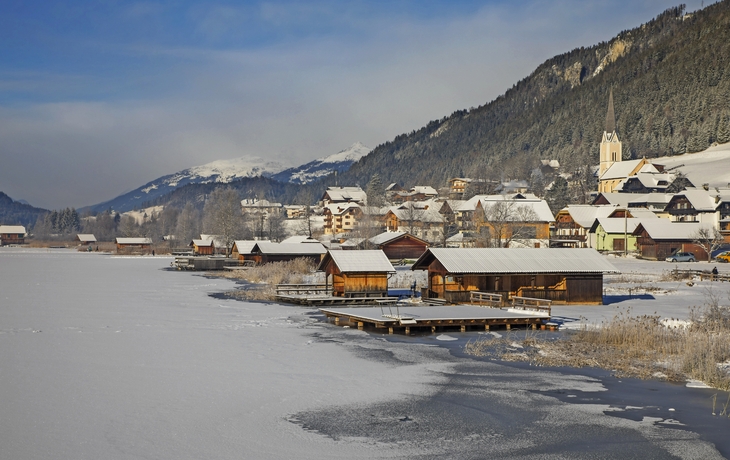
<point x="267" y="276"/>
<point x="640" y="346"/>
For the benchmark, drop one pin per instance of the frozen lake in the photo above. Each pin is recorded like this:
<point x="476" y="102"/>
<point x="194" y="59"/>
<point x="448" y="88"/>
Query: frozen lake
<point x="120" y="358"/>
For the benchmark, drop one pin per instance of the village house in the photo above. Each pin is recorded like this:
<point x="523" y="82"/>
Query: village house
<point x="658" y="239"/>
<point x="697" y="205"/>
<point x="613" y="234"/>
<point x="517" y="220"/>
<point x="573" y="222"/>
<point x="416" y="218"/>
<point x="417" y="193"/>
<point x="399" y="245"/>
<point x="571" y="276"/>
<point x="261" y="207"/>
<point x="341" y="217"/>
<point x="133" y="245"/>
<point x="357" y="273"/>
<point x="12" y="234"/>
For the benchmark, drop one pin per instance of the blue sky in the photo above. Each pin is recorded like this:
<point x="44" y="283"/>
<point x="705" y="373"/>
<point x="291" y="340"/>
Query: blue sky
<point x="97" y="98"/>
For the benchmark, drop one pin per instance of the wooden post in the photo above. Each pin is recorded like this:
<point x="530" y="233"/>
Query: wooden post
<point x="463" y="328"/>
<point x="433" y="329"/>
<point x="486" y="327"/>
<point x="337" y="320"/>
<point x="508" y="326"/>
<point x="408" y="330"/>
<point x="390" y="330"/>
<point x="360" y="325"/>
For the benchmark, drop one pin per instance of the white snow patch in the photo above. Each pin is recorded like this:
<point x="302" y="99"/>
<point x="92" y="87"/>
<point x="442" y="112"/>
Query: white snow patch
<point x="446" y="337"/>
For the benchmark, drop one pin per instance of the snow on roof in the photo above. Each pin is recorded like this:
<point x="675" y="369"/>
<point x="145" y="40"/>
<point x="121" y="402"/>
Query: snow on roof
<point x="421" y="215"/>
<point x="133" y="241"/>
<point x="621" y="169"/>
<point x="471" y="203"/>
<point x="12" y="229"/>
<point x="642" y="213"/>
<point x="341" y="208"/>
<point x="346" y="194"/>
<point x="265" y="247"/>
<point x="245" y="246"/>
<point x="86" y="237"/>
<point x="203" y="243"/>
<point x="585" y="214"/>
<point x="664" y="229"/>
<point x="425" y="189"/>
<point x="386" y="237"/>
<point x="620" y="199"/>
<point x="300" y="239"/>
<point x="516" y="260"/>
<point x="616" y="225"/>
<point x="367" y="261"/>
<point x="649" y="198"/>
<point x="701" y="200"/>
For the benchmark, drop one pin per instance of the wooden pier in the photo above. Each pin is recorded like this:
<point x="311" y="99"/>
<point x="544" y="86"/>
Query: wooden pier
<point x="407" y="318"/>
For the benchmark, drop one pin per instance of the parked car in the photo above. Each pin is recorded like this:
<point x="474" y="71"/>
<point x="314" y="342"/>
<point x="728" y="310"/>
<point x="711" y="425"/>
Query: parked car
<point x="723" y="257"/>
<point x="682" y="257"/>
<point x="722" y="248"/>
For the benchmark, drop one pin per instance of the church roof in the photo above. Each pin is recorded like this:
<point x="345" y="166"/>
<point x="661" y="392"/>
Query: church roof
<point x="610" y="117"/>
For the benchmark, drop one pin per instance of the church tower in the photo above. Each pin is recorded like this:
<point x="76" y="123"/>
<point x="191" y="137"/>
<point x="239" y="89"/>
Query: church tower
<point x="610" y="145"/>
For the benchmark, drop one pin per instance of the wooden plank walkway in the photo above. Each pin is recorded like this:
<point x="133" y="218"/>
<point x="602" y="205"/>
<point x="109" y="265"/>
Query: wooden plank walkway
<point x="406" y="318"/>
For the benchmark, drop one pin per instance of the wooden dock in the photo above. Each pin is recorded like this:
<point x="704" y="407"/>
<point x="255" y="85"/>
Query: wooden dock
<point x="407" y="318"/>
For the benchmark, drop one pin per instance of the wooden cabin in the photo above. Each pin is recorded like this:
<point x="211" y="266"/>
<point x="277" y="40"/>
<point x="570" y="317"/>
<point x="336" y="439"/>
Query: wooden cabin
<point x="12" y="234"/>
<point x="241" y="249"/>
<point x="568" y="276"/>
<point x="399" y="245"/>
<point x="265" y="252"/>
<point x="86" y="239"/>
<point x="202" y="247"/>
<point x="133" y="245"/>
<point x="357" y="273"/>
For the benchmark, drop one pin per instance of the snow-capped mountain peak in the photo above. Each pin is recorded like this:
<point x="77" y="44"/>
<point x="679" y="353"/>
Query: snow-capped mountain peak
<point x="324" y="166"/>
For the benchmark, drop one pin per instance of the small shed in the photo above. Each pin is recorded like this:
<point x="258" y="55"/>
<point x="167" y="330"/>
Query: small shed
<point x="265" y="252"/>
<point x="135" y="245"/>
<point x="357" y="273"/>
<point x="203" y="247"/>
<point x="86" y="238"/>
<point x="569" y="276"/>
<point x="12" y="234"/>
<point x="399" y="245"/>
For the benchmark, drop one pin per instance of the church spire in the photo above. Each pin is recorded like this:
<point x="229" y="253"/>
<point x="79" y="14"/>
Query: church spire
<point x="610" y="117"/>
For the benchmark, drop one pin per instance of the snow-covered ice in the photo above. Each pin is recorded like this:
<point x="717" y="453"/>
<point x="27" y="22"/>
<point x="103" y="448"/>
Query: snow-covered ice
<point x="118" y="357"/>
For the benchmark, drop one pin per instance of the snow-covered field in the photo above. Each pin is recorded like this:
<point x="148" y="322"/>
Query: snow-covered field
<point x="119" y="358"/>
<point x="644" y="288"/>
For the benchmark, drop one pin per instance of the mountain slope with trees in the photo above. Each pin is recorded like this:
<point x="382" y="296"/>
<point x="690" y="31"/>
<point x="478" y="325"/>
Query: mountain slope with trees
<point x="671" y="84"/>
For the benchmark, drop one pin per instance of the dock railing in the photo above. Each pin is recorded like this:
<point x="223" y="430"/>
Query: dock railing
<point x="302" y="289"/>
<point x="531" y="303"/>
<point x="486" y="299"/>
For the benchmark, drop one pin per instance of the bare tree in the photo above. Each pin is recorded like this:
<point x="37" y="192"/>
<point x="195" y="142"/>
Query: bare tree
<point x="223" y="216"/>
<point x="501" y="223"/>
<point x="708" y="239"/>
<point x="411" y="214"/>
<point x="188" y="225"/>
<point x="276" y="229"/>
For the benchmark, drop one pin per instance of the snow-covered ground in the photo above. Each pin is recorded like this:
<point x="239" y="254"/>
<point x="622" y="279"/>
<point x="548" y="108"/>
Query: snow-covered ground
<point x="119" y="358"/>
<point x="645" y="288"/>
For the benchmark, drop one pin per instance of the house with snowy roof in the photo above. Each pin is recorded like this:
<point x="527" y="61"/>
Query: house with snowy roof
<point x="399" y="245"/>
<point x="571" y="276"/>
<point x="344" y="195"/>
<point x="573" y="222"/>
<point x="657" y="239"/>
<point x="12" y="234"/>
<point x="357" y="273"/>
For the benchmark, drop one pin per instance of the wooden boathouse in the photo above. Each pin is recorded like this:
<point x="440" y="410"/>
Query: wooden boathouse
<point x="565" y="276"/>
<point x="203" y="247"/>
<point x="399" y="245"/>
<point x="133" y="245"/>
<point x="357" y="273"/>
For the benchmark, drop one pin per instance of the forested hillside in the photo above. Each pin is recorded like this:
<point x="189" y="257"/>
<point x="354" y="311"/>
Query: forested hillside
<point x="15" y="213"/>
<point x="671" y="86"/>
